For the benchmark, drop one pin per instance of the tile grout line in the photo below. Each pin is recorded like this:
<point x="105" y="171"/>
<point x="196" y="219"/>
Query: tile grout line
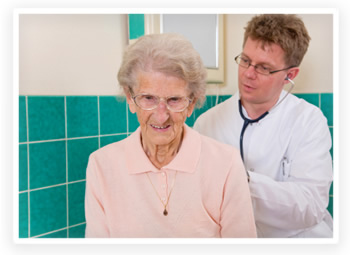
<point x="51" y="186"/>
<point x="57" y="230"/>
<point x="319" y="101"/>
<point x="72" y="138"/>
<point x="28" y="164"/>
<point x="66" y="144"/>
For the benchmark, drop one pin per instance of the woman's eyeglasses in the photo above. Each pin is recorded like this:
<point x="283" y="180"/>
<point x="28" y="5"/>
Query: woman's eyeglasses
<point x="149" y="102"/>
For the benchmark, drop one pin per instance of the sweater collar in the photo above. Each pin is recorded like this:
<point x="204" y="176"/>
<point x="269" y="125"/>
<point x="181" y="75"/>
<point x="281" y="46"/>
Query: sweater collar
<point x="186" y="159"/>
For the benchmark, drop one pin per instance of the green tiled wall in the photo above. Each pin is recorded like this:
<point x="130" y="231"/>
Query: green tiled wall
<point x="46" y="118"/>
<point x="57" y="135"/>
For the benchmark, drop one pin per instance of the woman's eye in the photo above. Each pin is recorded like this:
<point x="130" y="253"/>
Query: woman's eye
<point x="174" y="99"/>
<point x="148" y="97"/>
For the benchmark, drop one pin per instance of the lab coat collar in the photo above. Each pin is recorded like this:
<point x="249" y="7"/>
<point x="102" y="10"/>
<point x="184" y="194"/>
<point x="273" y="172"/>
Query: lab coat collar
<point x="271" y="111"/>
<point x="186" y="159"/>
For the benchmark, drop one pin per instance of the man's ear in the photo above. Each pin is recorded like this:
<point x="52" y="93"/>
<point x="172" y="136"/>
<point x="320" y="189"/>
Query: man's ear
<point x="292" y="73"/>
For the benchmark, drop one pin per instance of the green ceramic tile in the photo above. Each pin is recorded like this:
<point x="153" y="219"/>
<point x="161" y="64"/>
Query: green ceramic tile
<point x="23" y="167"/>
<point x="105" y="140"/>
<point x="330" y="206"/>
<point x="58" y="234"/>
<point x="136" y="26"/>
<point x="82" y="116"/>
<point x="312" y="98"/>
<point x="327" y="107"/>
<point x="77" y="232"/>
<point x="208" y="103"/>
<point x="190" y="121"/>
<point x="23" y="215"/>
<point x="132" y="121"/>
<point x="22" y="119"/>
<point x="223" y="98"/>
<point x="46" y="118"/>
<point x="47" y="164"/>
<point x="48" y="210"/>
<point x="112" y="115"/>
<point x="204" y="108"/>
<point x="76" y="196"/>
<point x="210" y="100"/>
<point x="331" y="150"/>
<point x="79" y="151"/>
<point x="331" y="190"/>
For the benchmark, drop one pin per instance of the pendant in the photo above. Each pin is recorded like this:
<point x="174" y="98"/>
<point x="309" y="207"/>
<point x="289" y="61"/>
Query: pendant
<point x="165" y="212"/>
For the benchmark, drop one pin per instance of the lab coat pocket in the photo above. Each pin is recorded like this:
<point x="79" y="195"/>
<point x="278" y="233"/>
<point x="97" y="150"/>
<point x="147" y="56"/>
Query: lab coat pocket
<point x="285" y="168"/>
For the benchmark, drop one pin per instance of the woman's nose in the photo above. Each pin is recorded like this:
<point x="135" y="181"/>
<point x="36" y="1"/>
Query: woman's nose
<point x="161" y="112"/>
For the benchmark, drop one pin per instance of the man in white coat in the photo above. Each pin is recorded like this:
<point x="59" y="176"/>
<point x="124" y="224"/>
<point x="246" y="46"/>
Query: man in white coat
<point x="284" y="141"/>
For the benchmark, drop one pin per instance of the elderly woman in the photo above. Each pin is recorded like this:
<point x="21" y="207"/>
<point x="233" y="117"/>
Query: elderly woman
<point x="165" y="179"/>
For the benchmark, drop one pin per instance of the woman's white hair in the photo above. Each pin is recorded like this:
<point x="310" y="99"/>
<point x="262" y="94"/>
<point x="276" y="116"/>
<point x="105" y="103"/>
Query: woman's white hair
<point x="170" y="54"/>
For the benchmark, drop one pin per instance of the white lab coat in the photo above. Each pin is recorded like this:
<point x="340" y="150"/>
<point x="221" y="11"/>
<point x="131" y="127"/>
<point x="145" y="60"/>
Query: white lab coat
<point x="287" y="156"/>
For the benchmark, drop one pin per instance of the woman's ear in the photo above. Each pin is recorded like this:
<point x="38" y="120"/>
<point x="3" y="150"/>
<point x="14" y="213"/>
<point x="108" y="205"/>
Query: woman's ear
<point x="129" y="100"/>
<point x="190" y="108"/>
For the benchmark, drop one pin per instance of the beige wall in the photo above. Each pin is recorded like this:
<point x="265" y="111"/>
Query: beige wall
<point x="81" y="54"/>
<point x="70" y="54"/>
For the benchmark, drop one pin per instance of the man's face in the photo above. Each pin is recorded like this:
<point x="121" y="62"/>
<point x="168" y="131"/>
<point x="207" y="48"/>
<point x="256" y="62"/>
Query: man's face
<point x="257" y="89"/>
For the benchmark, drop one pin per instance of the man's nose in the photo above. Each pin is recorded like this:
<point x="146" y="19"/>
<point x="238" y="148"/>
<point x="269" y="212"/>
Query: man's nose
<point x="250" y="72"/>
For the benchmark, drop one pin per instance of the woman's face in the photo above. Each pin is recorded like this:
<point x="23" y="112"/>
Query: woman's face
<point x="160" y="126"/>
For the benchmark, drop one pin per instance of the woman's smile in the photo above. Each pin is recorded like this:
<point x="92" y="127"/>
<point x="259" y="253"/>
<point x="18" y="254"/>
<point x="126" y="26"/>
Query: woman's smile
<point x="160" y="128"/>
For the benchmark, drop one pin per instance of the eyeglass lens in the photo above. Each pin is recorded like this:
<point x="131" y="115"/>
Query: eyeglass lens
<point x="246" y="63"/>
<point x="150" y="102"/>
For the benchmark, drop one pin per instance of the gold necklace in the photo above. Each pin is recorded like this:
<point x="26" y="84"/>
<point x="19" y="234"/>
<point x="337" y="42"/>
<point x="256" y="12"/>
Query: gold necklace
<point x="165" y="212"/>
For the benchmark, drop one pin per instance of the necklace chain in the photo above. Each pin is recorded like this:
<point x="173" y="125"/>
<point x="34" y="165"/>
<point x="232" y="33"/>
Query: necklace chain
<point x="165" y="212"/>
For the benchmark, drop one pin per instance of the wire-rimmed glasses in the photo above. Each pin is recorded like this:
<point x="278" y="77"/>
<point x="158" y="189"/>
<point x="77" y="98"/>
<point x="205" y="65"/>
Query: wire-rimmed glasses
<point x="261" y="69"/>
<point x="150" y="102"/>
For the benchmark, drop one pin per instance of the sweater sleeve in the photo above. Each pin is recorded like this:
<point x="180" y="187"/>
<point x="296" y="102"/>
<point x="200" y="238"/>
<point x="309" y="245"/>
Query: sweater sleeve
<point x="237" y="217"/>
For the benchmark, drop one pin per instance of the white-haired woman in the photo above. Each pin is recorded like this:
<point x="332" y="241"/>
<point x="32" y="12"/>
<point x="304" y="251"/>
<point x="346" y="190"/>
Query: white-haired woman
<point x="166" y="180"/>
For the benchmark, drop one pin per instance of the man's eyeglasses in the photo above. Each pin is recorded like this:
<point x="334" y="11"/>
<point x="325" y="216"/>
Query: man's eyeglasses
<point x="149" y="102"/>
<point x="261" y="69"/>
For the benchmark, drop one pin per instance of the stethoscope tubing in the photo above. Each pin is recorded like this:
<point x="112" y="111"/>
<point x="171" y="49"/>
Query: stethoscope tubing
<point x="250" y="121"/>
<point x="245" y="125"/>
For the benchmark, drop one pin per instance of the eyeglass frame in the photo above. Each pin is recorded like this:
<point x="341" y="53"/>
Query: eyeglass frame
<point x="249" y="64"/>
<point x="161" y="99"/>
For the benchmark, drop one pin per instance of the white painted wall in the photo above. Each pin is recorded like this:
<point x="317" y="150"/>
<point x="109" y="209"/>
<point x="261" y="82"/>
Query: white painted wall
<point x="80" y="54"/>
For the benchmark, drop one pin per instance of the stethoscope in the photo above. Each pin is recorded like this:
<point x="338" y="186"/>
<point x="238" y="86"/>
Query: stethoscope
<point x="251" y="121"/>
